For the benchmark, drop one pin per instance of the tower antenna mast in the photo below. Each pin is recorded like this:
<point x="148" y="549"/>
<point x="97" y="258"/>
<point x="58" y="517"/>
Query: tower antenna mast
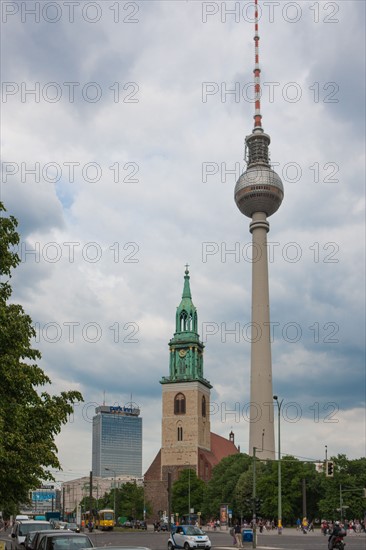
<point x="257" y="74"/>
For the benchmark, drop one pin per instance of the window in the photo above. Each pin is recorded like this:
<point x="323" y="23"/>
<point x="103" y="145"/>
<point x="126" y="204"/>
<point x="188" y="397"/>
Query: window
<point x="186" y="321"/>
<point x="180" y="433"/>
<point x="179" y="404"/>
<point x="203" y="406"/>
<point x="183" y="321"/>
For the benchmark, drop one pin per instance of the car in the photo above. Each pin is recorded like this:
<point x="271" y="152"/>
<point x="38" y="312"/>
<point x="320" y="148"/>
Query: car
<point x="30" y="538"/>
<point x="57" y="524"/>
<point x="72" y="527"/>
<point x="117" y="548"/>
<point x="36" y="535"/>
<point x="126" y="524"/>
<point x="62" y="540"/>
<point x="138" y="524"/>
<point x="22" y="528"/>
<point x="187" y="537"/>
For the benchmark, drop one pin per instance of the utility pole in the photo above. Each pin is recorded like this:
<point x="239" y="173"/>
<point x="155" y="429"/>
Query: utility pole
<point x="63" y="503"/>
<point x="90" y="494"/>
<point x="304" y="515"/>
<point x="341" y="502"/>
<point x="254" y="545"/>
<point x="279" y="521"/>
<point x="169" y="499"/>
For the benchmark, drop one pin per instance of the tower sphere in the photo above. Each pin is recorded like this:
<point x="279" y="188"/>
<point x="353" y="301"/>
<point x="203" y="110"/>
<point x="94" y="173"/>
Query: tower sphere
<point x="259" y="189"/>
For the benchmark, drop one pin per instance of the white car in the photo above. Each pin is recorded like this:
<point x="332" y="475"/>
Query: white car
<point x="22" y="528"/>
<point x="187" y="537"/>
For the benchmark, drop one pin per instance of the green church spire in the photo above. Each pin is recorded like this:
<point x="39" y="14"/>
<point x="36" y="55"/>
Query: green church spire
<point x="186" y="288"/>
<point x="186" y="317"/>
<point x="186" y="350"/>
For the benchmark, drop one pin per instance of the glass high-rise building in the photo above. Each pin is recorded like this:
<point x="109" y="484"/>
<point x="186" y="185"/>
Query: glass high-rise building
<point x="117" y="442"/>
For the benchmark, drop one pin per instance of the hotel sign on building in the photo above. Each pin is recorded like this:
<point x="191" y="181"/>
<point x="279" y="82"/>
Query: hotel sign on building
<point x="118" y="410"/>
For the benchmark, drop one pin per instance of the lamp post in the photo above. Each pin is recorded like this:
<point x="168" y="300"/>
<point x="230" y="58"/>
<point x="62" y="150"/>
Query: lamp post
<point x="189" y="493"/>
<point x="189" y="496"/>
<point x="144" y="510"/>
<point x="114" y="491"/>
<point x="254" y="497"/>
<point x="279" y="524"/>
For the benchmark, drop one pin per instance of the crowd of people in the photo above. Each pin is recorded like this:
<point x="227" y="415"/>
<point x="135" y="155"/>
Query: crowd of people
<point x="350" y="526"/>
<point x="303" y="525"/>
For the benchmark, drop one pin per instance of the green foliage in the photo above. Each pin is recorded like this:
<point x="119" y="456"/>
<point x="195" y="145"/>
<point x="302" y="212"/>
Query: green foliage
<point x="243" y="492"/>
<point x="29" y="418"/>
<point x="220" y="489"/>
<point x="346" y="485"/>
<point x="88" y="504"/>
<point x="129" y="501"/>
<point x="232" y="483"/>
<point x="180" y="493"/>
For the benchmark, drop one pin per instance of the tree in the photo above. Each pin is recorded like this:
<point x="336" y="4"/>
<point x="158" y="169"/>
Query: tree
<point x="346" y="486"/>
<point x="129" y="501"/>
<point x="221" y="487"/>
<point x="243" y="493"/>
<point x="29" y="417"/>
<point x="188" y="490"/>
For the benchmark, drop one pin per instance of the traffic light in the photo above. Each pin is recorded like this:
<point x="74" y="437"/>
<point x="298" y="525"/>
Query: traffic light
<point x="329" y="469"/>
<point x="258" y="504"/>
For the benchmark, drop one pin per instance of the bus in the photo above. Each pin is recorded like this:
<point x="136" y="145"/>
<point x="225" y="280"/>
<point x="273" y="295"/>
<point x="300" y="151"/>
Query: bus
<point x="105" y="520"/>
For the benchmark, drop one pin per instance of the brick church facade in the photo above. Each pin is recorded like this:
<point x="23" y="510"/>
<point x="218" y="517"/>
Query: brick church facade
<point x="187" y="440"/>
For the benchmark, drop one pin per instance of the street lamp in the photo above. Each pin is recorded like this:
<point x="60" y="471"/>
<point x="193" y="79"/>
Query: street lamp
<point x="279" y="525"/>
<point x="144" y="504"/>
<point x="189" y="493"/>
<point x="114" y="491"/>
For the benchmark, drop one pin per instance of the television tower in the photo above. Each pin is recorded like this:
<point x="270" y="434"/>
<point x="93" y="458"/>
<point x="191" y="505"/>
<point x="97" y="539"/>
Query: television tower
<point x="258" y="195"/>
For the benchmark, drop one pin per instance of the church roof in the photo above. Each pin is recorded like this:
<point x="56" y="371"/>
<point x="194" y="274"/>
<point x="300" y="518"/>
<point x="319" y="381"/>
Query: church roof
<point x="220" y="448"/>
<point x="153" y="471"/>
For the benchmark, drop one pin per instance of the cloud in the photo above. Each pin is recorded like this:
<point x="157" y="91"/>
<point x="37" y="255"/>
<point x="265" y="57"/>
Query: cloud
<point x="138" y="182"/>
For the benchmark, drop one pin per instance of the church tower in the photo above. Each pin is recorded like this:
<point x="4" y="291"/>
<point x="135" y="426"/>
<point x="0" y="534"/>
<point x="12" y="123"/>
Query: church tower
<point x="186" y="440"/>
<point x="185" y="392"/>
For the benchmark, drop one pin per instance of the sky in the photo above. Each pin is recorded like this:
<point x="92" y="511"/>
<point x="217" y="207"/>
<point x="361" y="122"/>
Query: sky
<point x="123" y="127"/>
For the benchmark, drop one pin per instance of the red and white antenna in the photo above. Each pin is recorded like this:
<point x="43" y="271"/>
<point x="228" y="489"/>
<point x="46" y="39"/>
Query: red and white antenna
<point x="257" y="75"/>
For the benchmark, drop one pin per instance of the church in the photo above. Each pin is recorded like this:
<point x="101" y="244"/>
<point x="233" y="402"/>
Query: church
<point x="187" y="440"/>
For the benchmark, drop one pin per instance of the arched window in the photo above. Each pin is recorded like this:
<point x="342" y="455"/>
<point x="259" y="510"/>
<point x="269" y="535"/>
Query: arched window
<point x="189" y="322"/>
<point x="179" y="404"/>
<point x="203" y="406"/>
<point x="180" y="433"/>
<point x="183" y="321"/>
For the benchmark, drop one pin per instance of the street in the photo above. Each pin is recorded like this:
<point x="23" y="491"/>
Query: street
<point x="289" y="540"/>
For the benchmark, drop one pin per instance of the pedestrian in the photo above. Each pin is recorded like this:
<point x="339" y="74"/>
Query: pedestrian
<point x="238" y="536"/>
<point x="232" y="533"/>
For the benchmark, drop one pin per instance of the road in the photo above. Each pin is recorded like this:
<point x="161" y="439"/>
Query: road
<point x="289" y="540"/>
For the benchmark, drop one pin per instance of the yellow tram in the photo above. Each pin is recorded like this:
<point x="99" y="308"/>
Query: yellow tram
<point x="105" y="520"/>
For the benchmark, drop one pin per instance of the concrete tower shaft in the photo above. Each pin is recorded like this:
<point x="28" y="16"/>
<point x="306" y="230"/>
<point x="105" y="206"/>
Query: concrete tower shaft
<point x="261" y="429"/>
